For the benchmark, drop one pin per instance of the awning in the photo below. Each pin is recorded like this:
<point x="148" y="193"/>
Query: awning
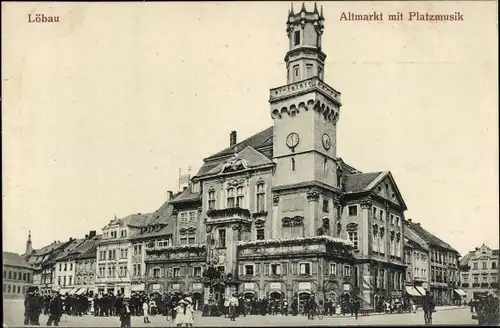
<point x="460" y="292"/>
<point x="63" y="291"/>
<point x="412" y="291"/>
<point x="421" y="290"/>
<point x="73" y="291"/>
<point x="81" y="291"/>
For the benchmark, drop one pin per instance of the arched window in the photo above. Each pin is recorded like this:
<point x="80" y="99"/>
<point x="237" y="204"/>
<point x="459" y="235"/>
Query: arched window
<point x="261" y="197"/>
<point x="292" y="164"/>
<point x="211" y="199"/>
<point x="352" y="232"/>
<point x="239" y="197"/>
<point x="230" y="198"/>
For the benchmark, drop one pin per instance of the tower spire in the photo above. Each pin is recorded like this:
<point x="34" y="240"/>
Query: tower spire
<point x="321" y="12"/>
<point x="29" y="247"/>
<point x="303" y="7"/>
<point x="291" y="7"/>
<point x="315" y="8"/>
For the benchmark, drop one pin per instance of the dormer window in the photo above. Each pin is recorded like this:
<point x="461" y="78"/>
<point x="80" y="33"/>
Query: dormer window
<point x="296" y="38"/>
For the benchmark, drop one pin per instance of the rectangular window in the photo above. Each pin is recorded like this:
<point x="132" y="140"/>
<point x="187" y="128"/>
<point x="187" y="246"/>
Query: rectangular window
<point x="239" y="197"/>
<point x="156" y="273"/>
<point x="15" y="275"/>
<point x="305" y="268"/>
<point x="485" y="265"/>
<point x="493" y="265"/>
<point x="211" y="200"/>
<point x="275" y="269"/>
<point x="309" y="70"/>
<point x="353" y="237"/>
<point x="183" y="240"/>
<point x="249" y="270"/>
<point x="333" y="269"/>
<point x="475" y="265"/>
<point x="177" y="272"/>
<point x="353" y="210"/>
<point x="221" y="268"/>
<point x="192" y="216"/>
<point x="296" y="38"/>
<point x="326" y="206"/>
<point x="381" y="214"/>
<point x="184" y="217"/>
<point x="347" y="270"/>
<point x="191" y="240"/>
<point x="320" y="72"/>
<point x="260" y="234"/>
<point x="71" y="266"/>
<point x="64" y="281"/>
<point x="222" y="238"/>
<point x="113" y="234"/>
<point x="260" y="198"/>
<point x="123" y="233"/>
<point x="197" y="271"/>
<point x="296" y="72"/>
<point x="59" y="280"/>
<point x="230" y="198"/>
<point x="70" y="281"/>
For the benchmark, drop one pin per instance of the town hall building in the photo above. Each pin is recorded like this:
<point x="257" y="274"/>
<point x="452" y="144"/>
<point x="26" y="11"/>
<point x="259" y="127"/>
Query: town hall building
<point x="280" y="214"/>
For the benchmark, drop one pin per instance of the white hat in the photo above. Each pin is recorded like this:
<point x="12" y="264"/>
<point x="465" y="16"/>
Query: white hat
<point x="188" y="299"/>
<point x="182" y="302"/>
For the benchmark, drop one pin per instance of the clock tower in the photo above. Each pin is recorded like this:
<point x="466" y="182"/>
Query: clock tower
<point x="305" y="112"/>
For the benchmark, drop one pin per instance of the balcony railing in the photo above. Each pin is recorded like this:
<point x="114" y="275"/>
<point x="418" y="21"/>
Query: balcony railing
<point x="302" y="86"/>
<point x="229" y="213"/>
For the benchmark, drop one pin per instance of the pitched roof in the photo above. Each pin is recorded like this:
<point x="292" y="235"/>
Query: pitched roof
<point x="429" y="237"/>
<point x="15" y="260"/>
<point x="414" y="237"/>
<point x="261" y="139"/>
<point x="359" y="181"/>
<point x="249" y="155"/>
<point x="464" y="260"/>
<point x="186" y="196"/>
<point x="84" y="246"/>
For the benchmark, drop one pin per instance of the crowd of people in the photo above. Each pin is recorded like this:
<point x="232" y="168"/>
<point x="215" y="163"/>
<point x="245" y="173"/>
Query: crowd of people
<point x="487" y="309"/>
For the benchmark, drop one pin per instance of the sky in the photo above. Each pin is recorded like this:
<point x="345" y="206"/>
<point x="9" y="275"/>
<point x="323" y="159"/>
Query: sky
<point x="101" y="110"/>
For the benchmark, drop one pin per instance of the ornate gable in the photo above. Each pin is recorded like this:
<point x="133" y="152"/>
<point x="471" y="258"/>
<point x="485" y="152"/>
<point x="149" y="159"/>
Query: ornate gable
<point x="243" y="160"/>
<point x="386" y="188"/>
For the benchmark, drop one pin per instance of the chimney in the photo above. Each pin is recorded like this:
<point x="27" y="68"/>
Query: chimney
<point x="184" y="188"/>
<point x="232" y="138"/>
<point x="86" y="236"/>
<point x="92" y="233"/>
<point x="409" y="220"/>
<point x="170" y="194"/>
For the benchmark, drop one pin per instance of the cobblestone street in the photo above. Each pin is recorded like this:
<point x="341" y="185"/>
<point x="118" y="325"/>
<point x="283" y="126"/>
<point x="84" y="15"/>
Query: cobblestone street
<point x="13" y="316"/>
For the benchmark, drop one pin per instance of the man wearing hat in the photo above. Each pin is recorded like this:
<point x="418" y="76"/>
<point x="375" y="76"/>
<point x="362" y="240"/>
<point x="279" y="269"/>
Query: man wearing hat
<point x="55" y="308"/>
<point x="125" y="313"/>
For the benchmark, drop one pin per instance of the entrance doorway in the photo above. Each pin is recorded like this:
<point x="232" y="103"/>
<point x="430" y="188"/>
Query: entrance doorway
<point x="219" y="292"/>
<point x="303" y="297"/>
<point x="275" y="296"/>
<point x="197" y="300"/>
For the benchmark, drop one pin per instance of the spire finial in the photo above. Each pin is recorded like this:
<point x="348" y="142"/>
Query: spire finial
<point x="315" y="7"/>
<point x="29" y="235"/>
<point x="303" y="6"/>
<point x="321" y="12"/>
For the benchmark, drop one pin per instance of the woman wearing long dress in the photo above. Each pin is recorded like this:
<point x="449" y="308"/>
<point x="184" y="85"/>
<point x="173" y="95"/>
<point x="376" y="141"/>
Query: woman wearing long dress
<point x="189" y="312"/>
<point x="180" y="311"/>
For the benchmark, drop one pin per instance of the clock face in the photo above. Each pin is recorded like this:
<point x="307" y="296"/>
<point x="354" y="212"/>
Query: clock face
<point x="292" y="140"/>
<point x="327" y="143"/>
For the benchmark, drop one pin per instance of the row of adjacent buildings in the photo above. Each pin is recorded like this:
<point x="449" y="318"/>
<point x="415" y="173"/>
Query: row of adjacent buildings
<point x="278" y="214"/>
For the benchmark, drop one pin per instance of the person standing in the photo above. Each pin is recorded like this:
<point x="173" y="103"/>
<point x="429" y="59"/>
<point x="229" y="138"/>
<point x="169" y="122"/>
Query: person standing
<point x="233" y="303"/>
<point x="356" y="306"/>
<point x="145" y="310"/>
<point x="55" y="309"/>
<point x="428" y="306"/>
<point x="189" y="312"/>
<point x="180" y="311"/>
<point x="125" y="314"/>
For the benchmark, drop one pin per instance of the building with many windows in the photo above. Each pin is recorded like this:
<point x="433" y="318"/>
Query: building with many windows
<point x="17" y="276"/>
<point x="479" y="272"/>
<point x="443" y="266"/>
<point x="114" y="258"/>
<point x="280" y="214"/>
<point x="85" y="265"/>
<point x="417" y="260"/>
